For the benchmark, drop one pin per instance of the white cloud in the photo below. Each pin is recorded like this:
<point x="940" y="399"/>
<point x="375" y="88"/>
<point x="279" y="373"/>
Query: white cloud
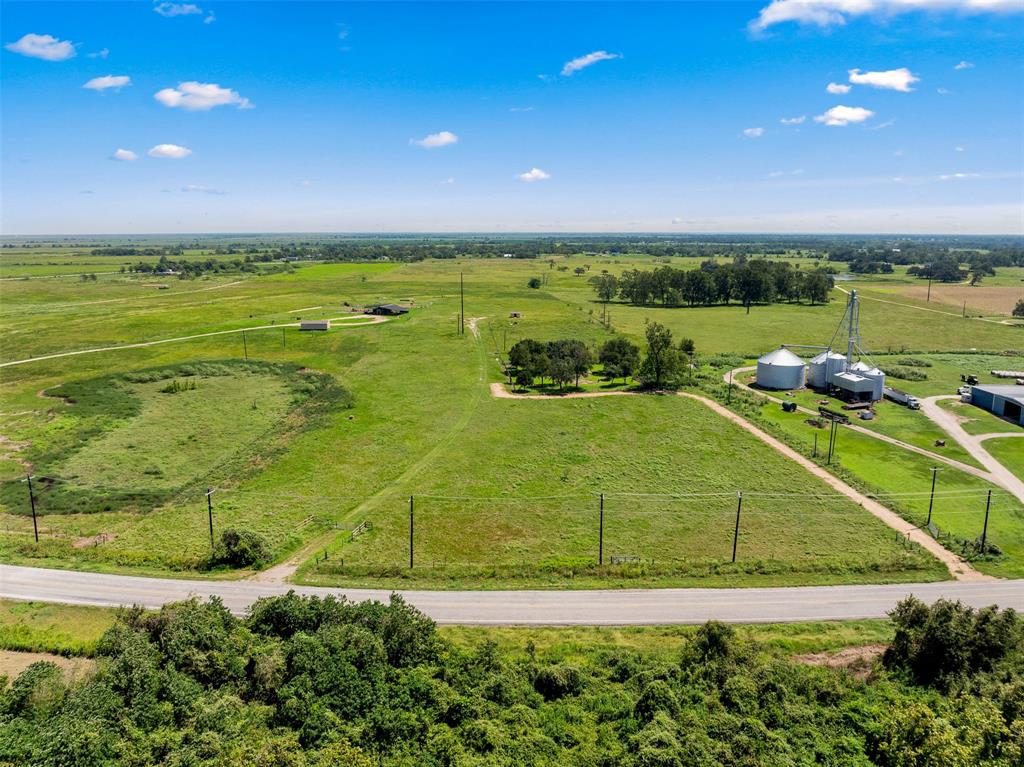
<point x="781" y="173"/>
<point x="520" y="109"/>
<point x="449" y="180"/>
<point x="210" y="18"/>
<point x="891" y="79"/>
<point x="842" y="115"/>
<point x="964" y="65"/>
<point x="753" y="132"/>
<point x="100" y="54"/>
<point x="197" y="188"/>
<point x="825" y="13"/>
<point x="199" y="97"/>
<point x="435" y="140"/>
<point x="177" y="9"/>
<point x="837" y="88"/>
<point x="958" y="176"/>
<point x="958" y="149"/>
<point x="582" y="62"/>
<point x="170" y="151"/>
<point x="124" y="155"/>
<point x="942" y="91"/>
<point x="793" y="120"/>
<point x="117" y="82"/>
<point x="45" y="47"/>
<point x="534" y="174"/>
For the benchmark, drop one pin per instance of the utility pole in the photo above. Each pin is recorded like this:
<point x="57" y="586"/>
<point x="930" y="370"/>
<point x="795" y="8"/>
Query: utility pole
<point x="209" y="512"/>
<point x="931" y="499"/>
<point x="929" y="299"/>
<point x="600" y="534"/>
<point x="411" y="549"/>
<point x="965" y="309"/>
<point x="32" y="501"/>
<point x="984" y="530"/>
<point x="462" y="306"/>
<point x="283" y="345"/>
<point x="728" y="397"/>
<point x="736" y="532"/>
<point x="245" y="346"/>
<point x="815" y="453"/>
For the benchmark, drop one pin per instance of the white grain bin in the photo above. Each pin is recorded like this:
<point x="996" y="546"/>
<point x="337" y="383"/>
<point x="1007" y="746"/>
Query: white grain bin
<point x="823" y="367"/>
<point x="873" y="374"/>
<point x="780" y="369"/>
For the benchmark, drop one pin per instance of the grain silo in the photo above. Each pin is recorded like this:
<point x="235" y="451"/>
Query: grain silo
<point x="823" y="367"/>
<point x="780" y="369"/>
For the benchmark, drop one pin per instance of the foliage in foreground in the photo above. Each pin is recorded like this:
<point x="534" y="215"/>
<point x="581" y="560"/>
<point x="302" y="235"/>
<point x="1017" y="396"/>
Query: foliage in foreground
<point x="304" y="681"/>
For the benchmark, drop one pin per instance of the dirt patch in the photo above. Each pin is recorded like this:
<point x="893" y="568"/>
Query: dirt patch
<point x="858" y="661"/>
<point x="10" y="449"/>
<point x="13" y="663"/>
<point x="93" y="540"/>
<point x="980" y="299"/>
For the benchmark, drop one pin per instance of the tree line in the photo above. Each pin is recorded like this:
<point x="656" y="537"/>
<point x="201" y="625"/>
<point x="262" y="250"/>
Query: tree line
<point x="567" y="360"/>
<point x="757" y="281"/>
<point x="310" y="682"/>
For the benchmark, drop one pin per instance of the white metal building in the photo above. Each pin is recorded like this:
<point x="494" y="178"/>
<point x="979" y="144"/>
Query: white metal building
<point x="780" y="369"/>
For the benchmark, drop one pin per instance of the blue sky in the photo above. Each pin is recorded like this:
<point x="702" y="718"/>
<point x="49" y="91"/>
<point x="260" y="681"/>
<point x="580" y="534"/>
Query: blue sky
<point x="306" y="117"/>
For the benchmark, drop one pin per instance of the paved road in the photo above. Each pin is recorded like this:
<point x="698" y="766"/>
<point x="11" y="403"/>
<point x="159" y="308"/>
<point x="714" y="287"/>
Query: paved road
<point x="948" y="422"/>
<point x="552" y="608"/>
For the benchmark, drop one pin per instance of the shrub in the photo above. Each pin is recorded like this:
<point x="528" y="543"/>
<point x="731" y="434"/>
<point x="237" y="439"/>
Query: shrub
<point x="557" y="681"/>
<point x="905" y="373"/>
<point x="240" y="548"/>
<point x="657" y="696"/>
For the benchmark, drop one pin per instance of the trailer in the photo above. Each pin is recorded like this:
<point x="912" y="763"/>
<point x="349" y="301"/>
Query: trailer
<point x="901" y="398"/>
<point x="832" y="415"/>
<point x="315" y="325"/>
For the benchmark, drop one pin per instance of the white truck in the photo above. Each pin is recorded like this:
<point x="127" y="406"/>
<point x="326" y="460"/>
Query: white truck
<point x="901" y="398"/>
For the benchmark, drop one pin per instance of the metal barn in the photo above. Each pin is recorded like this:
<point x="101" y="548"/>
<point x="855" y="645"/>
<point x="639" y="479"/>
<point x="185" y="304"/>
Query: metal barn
<point x="1004" y="400"/>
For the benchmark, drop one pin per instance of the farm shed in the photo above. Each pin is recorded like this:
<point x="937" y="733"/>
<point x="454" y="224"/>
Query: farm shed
<point x="390" y="310"/>
<point x="1004" y="400"/>
<point x="853" y="387"/>
<point x="780" y="369"/>
<point x="873" y="374"/>
<point x="823" y="367"/>
<point x="315" y="325"/>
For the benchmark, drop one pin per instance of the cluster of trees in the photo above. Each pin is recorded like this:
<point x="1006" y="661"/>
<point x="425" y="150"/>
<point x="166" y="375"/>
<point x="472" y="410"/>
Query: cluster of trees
<point x="867" y="266"/>
<point x="1000" y="251"/>
<point x="186" y="269"/>
<point x="758" y="281"/>
<point x="1018" y="310"/>
<point x="308" y="682"/>
<point x="561" y="361"/>
<point x="569" y="360"/>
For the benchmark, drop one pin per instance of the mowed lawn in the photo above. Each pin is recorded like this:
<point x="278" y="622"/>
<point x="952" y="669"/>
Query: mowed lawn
<point x="519" y="491"/>
<point x="424" y="424"/>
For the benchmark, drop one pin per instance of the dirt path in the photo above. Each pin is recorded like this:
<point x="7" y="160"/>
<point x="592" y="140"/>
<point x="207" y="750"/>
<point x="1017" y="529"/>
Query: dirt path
<point x="958" y="568"/>
<point x="370" y="320"/>
<point x="948" y="422"/>
<point x="967" y="468"/>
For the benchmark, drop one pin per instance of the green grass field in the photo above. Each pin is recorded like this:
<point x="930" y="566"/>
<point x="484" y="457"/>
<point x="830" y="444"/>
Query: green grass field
<point x="424" y="424"/>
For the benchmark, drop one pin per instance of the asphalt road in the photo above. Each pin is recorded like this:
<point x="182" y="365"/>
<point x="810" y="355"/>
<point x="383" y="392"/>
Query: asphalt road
<point x="550" y="608"/>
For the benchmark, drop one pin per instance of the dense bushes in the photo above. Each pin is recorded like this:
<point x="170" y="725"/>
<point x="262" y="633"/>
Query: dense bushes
<point x="308" y="682"/>
<point x="240" y="548"/>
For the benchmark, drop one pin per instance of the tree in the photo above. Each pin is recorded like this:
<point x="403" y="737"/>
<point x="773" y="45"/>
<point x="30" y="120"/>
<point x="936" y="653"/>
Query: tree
<point x="620" y="358"/>
<point x="606" y="286"/>
<point x="1018" y="310"/>
<point x="663" y="362"/>
<point x="579" y="271"/>
<point x="534" y="283"/>
<point x="527" y="359"/>
<point x="568" y="360"/>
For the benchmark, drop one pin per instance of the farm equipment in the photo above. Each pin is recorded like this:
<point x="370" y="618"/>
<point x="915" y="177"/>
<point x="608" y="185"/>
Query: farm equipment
<point x="970" y="380"/>
<point x="788" y="407"/>
<point x="832" y="415"/>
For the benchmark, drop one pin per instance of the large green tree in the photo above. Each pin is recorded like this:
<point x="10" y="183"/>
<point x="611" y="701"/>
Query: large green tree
<point x="663" y="363"/>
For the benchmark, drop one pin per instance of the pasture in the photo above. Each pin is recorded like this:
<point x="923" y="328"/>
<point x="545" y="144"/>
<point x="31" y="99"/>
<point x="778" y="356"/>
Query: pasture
<point x="507" y="491"/>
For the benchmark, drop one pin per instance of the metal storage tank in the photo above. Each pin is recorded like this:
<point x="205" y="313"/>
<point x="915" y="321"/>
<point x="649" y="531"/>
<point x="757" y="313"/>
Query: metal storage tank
<point x="873" y="374"/>
<point x="780" y="369"/>
<point x="823" y="367"/>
